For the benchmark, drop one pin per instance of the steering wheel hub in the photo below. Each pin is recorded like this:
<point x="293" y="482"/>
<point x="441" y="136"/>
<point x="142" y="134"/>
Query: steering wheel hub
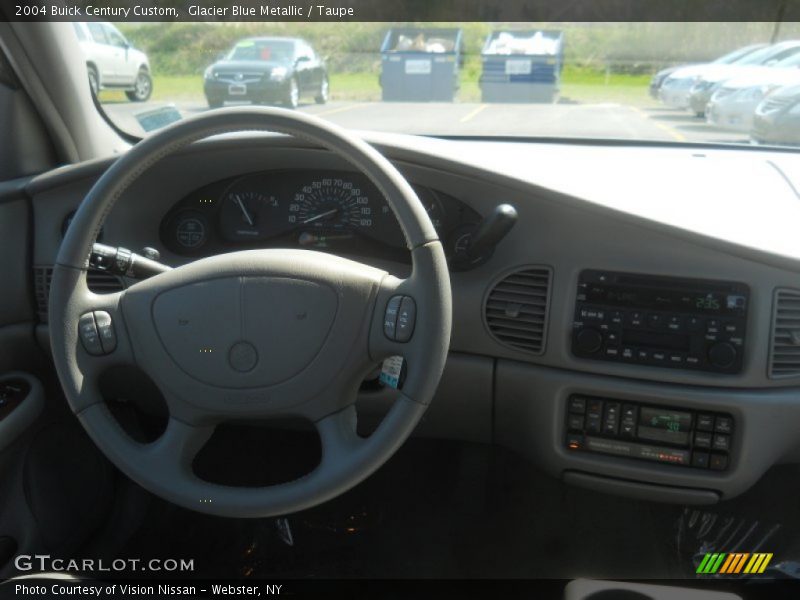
<point x="245" y="331"/>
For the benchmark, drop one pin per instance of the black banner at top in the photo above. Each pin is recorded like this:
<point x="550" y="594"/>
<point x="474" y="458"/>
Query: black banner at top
<point x="401" y="10"/>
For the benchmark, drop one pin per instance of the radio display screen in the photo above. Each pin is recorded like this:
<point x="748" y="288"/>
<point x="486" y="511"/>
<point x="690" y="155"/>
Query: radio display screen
<point x="664" y="425"/>
<point x="716" y="303"/>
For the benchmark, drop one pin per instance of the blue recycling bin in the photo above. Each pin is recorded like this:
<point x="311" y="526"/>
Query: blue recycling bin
<point x="420" y="64"/>
<point x="522" y="66"/>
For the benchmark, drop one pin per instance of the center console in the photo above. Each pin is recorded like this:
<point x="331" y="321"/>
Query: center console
<point x="660" y="321"/>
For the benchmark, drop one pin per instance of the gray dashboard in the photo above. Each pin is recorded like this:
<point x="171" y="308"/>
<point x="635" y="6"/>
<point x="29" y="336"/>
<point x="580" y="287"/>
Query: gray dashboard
<point x="669" y="212"/>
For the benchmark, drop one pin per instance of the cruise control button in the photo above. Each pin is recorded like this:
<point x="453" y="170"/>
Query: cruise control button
<point x="87" y="330"/>
<point x="406" y="318"/>
<point x="105" y="328"/>
<point x="390" y="317"/>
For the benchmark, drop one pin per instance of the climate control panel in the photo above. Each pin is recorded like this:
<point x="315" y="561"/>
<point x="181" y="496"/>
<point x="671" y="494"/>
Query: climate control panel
<point x="688" y="438"/>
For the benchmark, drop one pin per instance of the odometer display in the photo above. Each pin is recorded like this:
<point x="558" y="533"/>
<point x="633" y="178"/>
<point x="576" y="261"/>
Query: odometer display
<point x="332" y="204"/>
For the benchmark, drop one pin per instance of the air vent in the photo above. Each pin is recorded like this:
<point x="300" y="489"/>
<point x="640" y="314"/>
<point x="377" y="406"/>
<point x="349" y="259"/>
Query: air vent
<point x="99" y="282"/>
<point x="784" y="360"/>
<point x="516" y="309"/>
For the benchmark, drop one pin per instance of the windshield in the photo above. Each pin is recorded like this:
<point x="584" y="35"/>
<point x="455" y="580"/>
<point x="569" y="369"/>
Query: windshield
<point x="588" y="80"/>
<point x="262" y="50"/>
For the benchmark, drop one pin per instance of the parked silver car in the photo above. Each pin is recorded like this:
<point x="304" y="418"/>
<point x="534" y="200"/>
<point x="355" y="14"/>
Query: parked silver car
<point x="658" y="79"/>
<point x="776" y="119"/>
<point x="709" y="82"/>
<point x="112" y="62"/>
<point x="733" y="105"/>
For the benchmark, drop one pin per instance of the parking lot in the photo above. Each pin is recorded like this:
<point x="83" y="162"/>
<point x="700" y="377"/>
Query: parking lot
<point x="564" y="119"/>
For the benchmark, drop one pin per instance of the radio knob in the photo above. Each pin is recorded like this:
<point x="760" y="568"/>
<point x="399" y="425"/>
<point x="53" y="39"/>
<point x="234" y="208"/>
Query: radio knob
<point x="722" y="355"/>
<point x="589" y="341"/>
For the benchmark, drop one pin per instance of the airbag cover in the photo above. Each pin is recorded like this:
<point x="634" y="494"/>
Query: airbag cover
<point x="245" y="332"/>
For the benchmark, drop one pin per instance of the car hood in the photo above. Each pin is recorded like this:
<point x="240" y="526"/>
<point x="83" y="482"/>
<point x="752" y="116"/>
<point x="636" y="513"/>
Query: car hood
<point x="245" y="66"/>
<point x="764" y="76"/>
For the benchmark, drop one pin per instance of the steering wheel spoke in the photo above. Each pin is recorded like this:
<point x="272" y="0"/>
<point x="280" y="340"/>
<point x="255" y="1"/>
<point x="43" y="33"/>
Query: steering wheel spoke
<point x="94" y="330"/>
<point x="179" y="444"/>
<point x="410" y="321"/>
<point x="337" y="433"/>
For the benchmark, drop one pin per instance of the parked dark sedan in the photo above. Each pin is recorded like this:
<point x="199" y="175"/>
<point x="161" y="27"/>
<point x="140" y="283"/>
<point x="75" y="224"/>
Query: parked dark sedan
<point x="268" y="70"/>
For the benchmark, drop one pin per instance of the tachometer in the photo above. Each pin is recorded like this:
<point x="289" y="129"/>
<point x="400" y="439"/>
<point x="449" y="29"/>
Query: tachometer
<point x="330" y="204"/>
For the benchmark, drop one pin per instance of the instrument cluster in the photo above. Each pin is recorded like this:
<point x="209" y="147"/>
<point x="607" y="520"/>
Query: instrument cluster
<point x="341" y="212"/>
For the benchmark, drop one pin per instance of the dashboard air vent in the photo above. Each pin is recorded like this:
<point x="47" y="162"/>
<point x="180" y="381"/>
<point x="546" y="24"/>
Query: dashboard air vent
<point x="784" y="360"/>
<point x="99" y="282"/>
<point x="515" y="310"/>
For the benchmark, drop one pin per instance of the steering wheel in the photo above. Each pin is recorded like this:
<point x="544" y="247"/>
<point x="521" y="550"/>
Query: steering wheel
<point x="253" y="334"/>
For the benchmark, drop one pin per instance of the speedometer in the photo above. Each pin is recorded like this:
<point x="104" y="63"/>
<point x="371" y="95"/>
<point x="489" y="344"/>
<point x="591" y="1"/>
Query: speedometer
<point x="330" y="204"/>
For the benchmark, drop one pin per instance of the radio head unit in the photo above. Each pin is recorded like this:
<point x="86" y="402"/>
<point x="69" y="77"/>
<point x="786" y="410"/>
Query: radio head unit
<point x="660" y="321"/>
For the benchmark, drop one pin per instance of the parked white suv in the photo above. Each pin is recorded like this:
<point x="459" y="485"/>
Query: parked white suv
<point x="112" y="62"/>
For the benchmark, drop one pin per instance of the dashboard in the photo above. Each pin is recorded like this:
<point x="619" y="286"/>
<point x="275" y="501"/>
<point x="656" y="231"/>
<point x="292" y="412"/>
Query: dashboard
<point x="332" y="211"/>
<point x="661" y="253"/>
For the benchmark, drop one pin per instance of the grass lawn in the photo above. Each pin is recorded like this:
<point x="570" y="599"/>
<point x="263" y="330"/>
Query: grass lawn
<point x="578" y="85"/>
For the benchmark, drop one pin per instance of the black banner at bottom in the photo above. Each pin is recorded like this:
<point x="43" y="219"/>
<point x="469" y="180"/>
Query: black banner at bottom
<point x="62" y="586"/>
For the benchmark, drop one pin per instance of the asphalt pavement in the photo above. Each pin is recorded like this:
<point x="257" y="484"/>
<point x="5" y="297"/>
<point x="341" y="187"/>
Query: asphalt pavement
<point x="601" y="120"/>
